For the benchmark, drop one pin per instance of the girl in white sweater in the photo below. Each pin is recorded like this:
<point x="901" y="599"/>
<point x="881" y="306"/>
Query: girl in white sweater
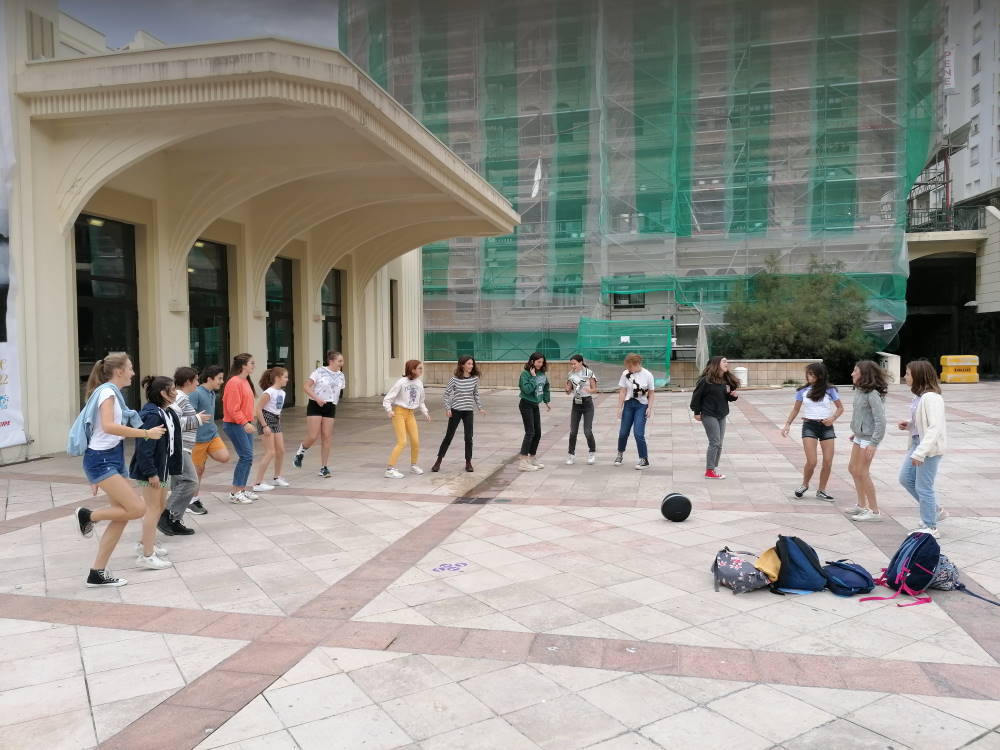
<point x="402" y="400"/>
<point x="927" y="443"/>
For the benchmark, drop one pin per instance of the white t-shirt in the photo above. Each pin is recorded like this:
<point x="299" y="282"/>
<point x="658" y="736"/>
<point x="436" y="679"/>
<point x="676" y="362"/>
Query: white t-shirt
<point x="822" y="409"/>
<point x="580" y="380"/>
<point x="276" y="400"/>
<point x="328" y="384"/>
<point x="99" y="439"/>
<point x="637" y="385"/>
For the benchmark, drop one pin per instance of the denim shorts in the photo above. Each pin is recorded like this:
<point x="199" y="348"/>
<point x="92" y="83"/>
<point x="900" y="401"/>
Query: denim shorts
<point x="100" y="465"/>
<point x="815" y="429"/>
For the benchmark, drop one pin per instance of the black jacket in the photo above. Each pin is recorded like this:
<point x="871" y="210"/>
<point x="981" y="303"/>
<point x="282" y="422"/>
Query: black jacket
<point x="712" y="399"/>
<point x="151" y="456"/>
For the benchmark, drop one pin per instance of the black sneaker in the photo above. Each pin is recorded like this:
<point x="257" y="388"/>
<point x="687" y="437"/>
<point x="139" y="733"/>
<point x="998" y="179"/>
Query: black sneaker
<point x="643" y="464"/>
<point x="99" y="578"/>
<point x="197" y="508"/>
<point x="801" y="490"/>
<point x="86" y="525"/>
<point x="325" y="473"/>
<point x="180" y="529"/>
<point x="618" y="459"/>
<point x="165" y="525"/>
<point x="823" y="495"/>
<point x="299" y="455"/>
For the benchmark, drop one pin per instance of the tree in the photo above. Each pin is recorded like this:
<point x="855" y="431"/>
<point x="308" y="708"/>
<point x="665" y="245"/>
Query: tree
<point x="814" y="315"/>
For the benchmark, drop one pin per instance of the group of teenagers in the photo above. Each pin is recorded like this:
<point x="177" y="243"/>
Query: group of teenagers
<point x="175" y="433"/>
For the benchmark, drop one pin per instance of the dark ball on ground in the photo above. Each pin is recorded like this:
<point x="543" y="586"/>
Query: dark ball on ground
<point x="675" y="507"/>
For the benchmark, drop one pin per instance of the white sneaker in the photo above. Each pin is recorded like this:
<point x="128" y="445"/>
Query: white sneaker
<point x="280" y="482"/>
<point x="152" y="562"/>
<point x="526" y="465"/>
<point x="570" y="459"/>
<point x="926" y="530"/>
<point x="416" y="469"/>
<point x="263" y="487"/>
<point x="251" y="495"/>
<point x="392" y="473"/>
<point x="856" y="510"/>
<point x="157" y="550"/>
<point x="239" y="498"/>
<point x="592" y="459"/>
<point x="867" y="515"/>
<point x="941" y="514"/>
<point x="536" y="463"/>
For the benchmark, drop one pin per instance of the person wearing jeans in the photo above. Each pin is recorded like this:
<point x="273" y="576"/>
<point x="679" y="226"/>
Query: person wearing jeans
<point x="928" y="439"/>
<point x="710" y="403"/>
<point x="237" y="421"/>
<point x="636" y="389"/>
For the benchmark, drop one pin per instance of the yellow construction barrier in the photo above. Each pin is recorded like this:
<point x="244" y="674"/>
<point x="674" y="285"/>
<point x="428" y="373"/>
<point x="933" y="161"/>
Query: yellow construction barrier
<point x="959" y="368"/>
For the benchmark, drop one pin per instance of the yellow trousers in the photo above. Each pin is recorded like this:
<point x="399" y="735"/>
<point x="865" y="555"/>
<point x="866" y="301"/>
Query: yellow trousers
<point x="404" y="423"/>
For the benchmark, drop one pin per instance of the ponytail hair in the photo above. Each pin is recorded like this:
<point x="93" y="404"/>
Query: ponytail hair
<point x="155" y="385"/>
<point x="578" y="358"/>
<point x="104" y="369"/>
<point x="270" y="375"/>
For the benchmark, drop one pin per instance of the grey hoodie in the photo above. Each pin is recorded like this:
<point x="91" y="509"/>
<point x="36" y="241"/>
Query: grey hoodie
<point x="868" y="420"/>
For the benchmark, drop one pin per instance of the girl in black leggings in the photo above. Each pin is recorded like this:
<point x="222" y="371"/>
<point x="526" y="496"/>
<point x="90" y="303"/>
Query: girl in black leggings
<point x="582" y="383"/>
<point x="534" y="388"/>
<point x="461" y="400"/>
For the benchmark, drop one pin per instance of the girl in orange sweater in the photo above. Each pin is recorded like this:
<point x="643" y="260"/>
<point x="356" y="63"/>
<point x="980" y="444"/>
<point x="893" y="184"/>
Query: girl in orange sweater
<point x="237" y="421"/>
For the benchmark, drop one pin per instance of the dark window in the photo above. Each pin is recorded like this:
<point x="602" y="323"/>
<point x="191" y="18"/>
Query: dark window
<point x="629" y="301"/>
<point x="208" y="305"/>
<point x="333" y="322"/>
<point x="393" y="318"/>
<point x="278" y="293"/>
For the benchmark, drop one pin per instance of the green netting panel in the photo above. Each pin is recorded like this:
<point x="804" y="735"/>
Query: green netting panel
<point x="435" y="265"/>
<point x="917" y="64"/>
<point x="377" y="43"/>
<point x="609" y="341"/>
<point x="503" y="346"/>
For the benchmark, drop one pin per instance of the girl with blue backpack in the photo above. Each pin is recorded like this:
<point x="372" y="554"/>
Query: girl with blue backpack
<point x="99" y="433"/>
<point x="927" y="443"/>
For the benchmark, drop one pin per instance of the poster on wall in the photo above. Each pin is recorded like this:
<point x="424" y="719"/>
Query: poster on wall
<point x="11" y="416"/>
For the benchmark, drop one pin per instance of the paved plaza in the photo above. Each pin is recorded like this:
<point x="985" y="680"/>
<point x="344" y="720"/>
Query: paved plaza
<point x="500" y="609"/>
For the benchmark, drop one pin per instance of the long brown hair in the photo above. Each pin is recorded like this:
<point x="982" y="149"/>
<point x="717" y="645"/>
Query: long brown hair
<point x="821" y="381"/>
<point x="236" y="368"/>
<point x="460" y="368"/>
<point x="923" y="377"/>
<point x="270" y="375"/>
<point x="104" y="369"/>
<point x="872" y="378"/>
<point x="713" y="374"/>
<point x="537" y="355"/>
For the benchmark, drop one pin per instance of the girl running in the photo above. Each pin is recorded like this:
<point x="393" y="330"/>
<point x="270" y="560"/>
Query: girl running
<point x="867" y="431"/>
<point x="461" y="401"/>
<point x="821" y="407"/>
<point x="323" y="388"/>
<point x="237" y="421"/>
<point x="582" y="383"/>
<point x="268" y="408"/>
<point x="928" y="438"/>
<point x="534" y="387"/>
<point x="102" y="426"/>
<point x="710" y="403"/>
<point x="207" y="441"/>
<point x="402" y="400"/>
<point x="636" y="389"/>
<point x="154" y="463"/>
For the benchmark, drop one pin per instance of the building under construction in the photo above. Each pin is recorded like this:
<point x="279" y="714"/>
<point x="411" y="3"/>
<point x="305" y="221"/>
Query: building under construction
<point x="660" y="152"/>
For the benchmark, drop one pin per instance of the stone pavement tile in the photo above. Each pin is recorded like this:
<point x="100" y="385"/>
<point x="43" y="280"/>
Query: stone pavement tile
<point x="843" y="734"/>
<point x="636" y="700"/>
<point x="317" y="663"/>
<point x="492" y="734"/>
<point x="644" y="623"/>
<point x="391" y="679"/>
<point x="512" y="688"/>
<point x="545" y="616"/>
<point x="144" y="648"/>
<point x="256" y="719"/>
<point x="701" y="727"/>
<point x="222" y="690"/>
<point x="918" y="726"/>
<point x="455" y="609"/>
<point x="785" y="716"/>
<point x="493" y="622"/>
<point x="265" y="658"/>
<point x="349" y="659"/>
<point x="195" y="655"/>
<point x="628" y="741"/>
<point x="71" y="730"/>
<point x="316" y="699"/>
<point x="24" y="645"/>
<point x="111" y="718"/>
<point x="647" y="591"/>
<point x="274" y="741"/>
<point x="460" y="668"/>
<point x="984" y="713"/>
<point x="439" y="709"/>
<point x="599" y="603"/>
<point x="565" y="723"/>
<point x="47" y="699"/>
<point x="510" y="597"/>
<point x="576" y="679"/>
<point x="368" y="727"/>
<point x="33" y="670"/>
<point x="132" y="681"/>
<point x="168" y="727"/>
<point x="699" y="689"/>
<point x="837" y="701"/>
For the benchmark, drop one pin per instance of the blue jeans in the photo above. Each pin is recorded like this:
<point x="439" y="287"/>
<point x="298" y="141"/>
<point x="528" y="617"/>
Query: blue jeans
<point x="633" y="420"/>
<point x="243" y="445"/>
<point x="919" y="482"/>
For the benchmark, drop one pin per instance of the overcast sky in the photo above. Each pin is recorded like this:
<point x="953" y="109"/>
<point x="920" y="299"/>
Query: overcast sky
<point x="183" y="21"/>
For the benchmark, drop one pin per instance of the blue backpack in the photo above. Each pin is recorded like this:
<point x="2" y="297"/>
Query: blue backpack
<point x="800" y="569"/>
<point x="911" y="569"/>
<point x="846" y="578"/>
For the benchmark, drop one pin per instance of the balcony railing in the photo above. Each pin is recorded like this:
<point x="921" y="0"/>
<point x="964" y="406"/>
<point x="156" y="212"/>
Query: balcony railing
<point x="953" y="219"/>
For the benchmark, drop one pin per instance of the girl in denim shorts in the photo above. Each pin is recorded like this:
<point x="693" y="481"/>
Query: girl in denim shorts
<point x="820" y="405"/>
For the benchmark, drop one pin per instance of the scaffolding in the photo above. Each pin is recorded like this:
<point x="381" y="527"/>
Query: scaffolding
<point x="652" y="139"/>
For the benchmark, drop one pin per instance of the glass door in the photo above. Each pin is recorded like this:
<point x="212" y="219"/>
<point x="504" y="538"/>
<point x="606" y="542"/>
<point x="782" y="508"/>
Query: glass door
<point x="280" y="322"/>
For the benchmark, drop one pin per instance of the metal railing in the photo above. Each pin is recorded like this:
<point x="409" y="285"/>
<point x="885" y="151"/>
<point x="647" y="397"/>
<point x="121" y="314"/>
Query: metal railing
<point x="957" y="218"/>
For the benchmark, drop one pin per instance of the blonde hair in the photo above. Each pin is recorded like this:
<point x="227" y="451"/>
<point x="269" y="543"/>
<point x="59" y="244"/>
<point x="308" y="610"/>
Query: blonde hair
<point x="104" y="369"/>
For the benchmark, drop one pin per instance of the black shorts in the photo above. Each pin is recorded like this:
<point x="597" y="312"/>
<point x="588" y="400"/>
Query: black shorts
<point x="271" y="420"/>
<point x="815" y="429"/>
<point x="327" y="410"/>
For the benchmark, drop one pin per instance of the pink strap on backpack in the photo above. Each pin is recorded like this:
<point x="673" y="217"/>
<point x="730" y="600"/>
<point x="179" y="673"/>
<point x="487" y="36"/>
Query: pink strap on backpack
<point x="903" y="589"/>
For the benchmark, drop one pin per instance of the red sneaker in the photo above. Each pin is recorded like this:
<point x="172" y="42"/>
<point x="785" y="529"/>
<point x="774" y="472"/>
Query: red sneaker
<point x="713" y="474"/>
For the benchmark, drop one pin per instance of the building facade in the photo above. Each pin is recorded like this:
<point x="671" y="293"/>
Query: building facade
<point x="189" y="203"/>
<point x="660" y="152"/>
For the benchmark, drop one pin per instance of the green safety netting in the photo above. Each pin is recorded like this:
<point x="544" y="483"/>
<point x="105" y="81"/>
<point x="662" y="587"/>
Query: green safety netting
<point x="609" y="341"/>
<point x="647" y="137"/>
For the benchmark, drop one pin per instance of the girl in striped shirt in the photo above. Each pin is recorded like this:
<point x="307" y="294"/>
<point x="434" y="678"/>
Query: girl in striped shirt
<point x="461" y="398"/>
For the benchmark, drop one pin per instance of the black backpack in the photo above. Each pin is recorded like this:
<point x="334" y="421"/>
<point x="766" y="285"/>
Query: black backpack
<point x="800" y="567"/>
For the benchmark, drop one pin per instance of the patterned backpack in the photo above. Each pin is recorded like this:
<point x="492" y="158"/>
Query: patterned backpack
<point x="736" y="571"/>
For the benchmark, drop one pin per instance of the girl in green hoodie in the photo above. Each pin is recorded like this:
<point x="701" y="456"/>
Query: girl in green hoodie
<point x="534" y="387"/>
